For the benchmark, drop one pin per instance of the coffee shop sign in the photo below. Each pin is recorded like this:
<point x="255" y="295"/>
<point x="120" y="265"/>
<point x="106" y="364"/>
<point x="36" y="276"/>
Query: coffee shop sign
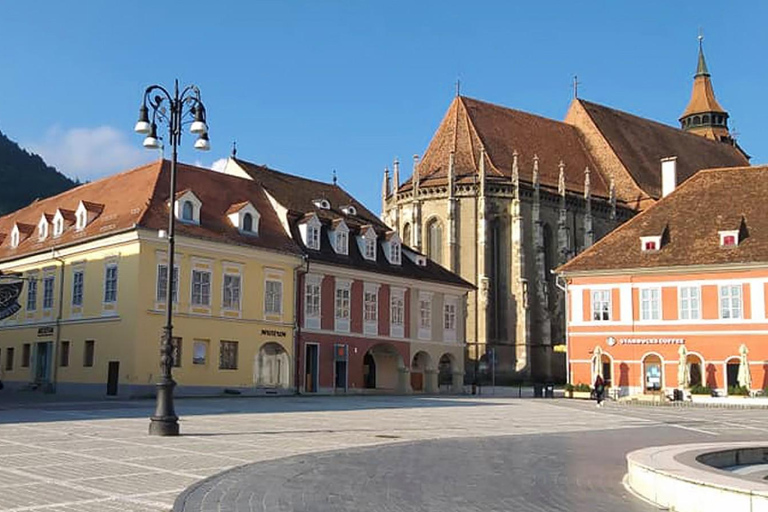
<point x="645" y="341"/>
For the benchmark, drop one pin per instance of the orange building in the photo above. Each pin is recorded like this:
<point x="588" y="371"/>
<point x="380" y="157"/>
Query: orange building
<point x="684" y="281"/>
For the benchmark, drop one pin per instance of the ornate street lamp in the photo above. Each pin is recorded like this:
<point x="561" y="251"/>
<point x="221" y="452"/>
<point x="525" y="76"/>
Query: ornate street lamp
<point x="176" y="111"/>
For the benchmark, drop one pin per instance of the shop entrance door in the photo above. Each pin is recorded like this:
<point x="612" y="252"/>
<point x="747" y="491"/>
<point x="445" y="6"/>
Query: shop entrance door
<point x="42" y="362"/>
<point x="113" y="374"/>
<point x="311" y="367"/>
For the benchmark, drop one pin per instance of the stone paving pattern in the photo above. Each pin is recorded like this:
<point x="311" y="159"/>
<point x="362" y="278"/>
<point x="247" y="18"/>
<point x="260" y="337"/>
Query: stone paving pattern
<point x="96" y="456"/>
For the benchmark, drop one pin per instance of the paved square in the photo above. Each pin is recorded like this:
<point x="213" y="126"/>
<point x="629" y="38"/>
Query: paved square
<point x="97" y="456"/>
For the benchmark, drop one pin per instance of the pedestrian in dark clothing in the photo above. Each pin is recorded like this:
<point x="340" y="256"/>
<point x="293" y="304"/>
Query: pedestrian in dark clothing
<point x="599" y="390"/>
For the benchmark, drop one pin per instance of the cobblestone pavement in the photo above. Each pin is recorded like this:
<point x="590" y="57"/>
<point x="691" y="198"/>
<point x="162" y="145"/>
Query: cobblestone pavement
<point x="96" y="456"/>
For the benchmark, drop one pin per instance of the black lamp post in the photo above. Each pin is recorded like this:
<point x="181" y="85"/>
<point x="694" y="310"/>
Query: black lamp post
<point x="174" y="110"/>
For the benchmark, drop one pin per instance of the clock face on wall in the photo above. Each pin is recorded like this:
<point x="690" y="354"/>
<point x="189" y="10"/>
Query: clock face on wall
<point x="611" y="341"/>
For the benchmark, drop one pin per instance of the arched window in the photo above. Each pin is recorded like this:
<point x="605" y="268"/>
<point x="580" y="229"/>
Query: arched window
<point x="407" y="234"/>
<point x="435" y="241"/>
<point x="696" y="120"/>
<point x="705" y="119"/>
<point x="248" y="222"/>
<point x="188" y="211"/>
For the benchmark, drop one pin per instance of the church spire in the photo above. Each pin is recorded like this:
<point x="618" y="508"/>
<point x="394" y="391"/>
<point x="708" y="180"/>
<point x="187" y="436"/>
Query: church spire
<point x="704" y="116"/>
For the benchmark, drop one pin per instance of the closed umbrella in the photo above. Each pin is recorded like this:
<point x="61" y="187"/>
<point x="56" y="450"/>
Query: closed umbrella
<point x="683" y="372"/>
<point x="744" y="377"/>
<point x="597" y="362"/>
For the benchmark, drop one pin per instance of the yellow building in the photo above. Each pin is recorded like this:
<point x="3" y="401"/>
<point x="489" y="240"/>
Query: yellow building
<point x="93" y="260"/>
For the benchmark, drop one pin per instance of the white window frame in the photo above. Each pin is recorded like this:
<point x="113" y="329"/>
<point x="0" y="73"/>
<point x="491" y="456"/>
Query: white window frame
<point x="450" y="308"/>
<point x="371" y="308"/>
<point x="652" y="298"/>
<point x="730" y="297"/>
<point x="395" y="252"/>
<point x="397" y="312"/>
<point x="341" y="242"/>
<point x="15" y="235"/>
<point x="312" y="314"/>
<point x="42" y="228"/>
<point x="48" y="291"/>
<point x="684" y="298"/>
<point x="78" y="288"/>
<point x="269" y="297"/>
<point x="342" y="299"/>
<point x="425" y="315"/>
<point x="598" y="297"/>
<point x="370" y="249"/>
<point x="206" y="351"/>
<point x="234" y="303"/>
<point x="161" y="293"/>
<point x="58" y="226"/>
<point x="178" y="207"/>
<point x="110" y="283"/>
<point x="197" y="301"/>
<point x="32" y="290"/>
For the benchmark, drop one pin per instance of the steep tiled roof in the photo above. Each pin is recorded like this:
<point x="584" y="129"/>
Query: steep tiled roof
<point x="471" y="124"/>
<point x="640" y="144"/>
<point x="689" y="219"/>
<point x="298" y="194"/>
<point x="140" y="197"/>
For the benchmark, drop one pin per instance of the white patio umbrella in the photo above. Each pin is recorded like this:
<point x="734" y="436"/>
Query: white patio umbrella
<point x="683" y="371"/>
<point x="597" y="362"/>
<point x="744" y="377"/>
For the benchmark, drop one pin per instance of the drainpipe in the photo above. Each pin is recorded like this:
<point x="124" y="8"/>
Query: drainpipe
<point x="57" y="339"/>
<point x="296" y="323"/>
<point x="564" y="288"/>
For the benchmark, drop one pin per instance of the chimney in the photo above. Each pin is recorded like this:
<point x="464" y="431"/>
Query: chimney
<point x="668" y="175"/>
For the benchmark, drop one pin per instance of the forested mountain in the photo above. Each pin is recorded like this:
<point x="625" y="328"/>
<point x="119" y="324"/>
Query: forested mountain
<point x="25" y="177"/>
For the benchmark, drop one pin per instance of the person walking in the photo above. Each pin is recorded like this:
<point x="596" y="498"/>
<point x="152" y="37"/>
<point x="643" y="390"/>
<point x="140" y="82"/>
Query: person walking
<point x="599" y="390"/>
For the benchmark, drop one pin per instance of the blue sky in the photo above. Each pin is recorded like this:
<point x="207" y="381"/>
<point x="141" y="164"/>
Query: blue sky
<point x="309" y="87"/>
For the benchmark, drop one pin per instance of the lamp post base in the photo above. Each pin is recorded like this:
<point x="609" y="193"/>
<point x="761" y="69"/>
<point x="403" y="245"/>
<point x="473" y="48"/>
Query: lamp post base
<point x="164" y="422"/>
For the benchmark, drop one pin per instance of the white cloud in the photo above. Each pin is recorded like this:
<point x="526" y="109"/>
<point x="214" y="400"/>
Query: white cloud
<point x="219" y="164"/>
<point x="91" y="153"/>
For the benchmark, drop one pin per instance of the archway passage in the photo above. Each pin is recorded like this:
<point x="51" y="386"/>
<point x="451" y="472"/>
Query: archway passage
<point x="652" y="373"/>
<point x="445" y="370"/>
<point x="419" y="366"/>
<point x="695" y="370"/>
<point x="272" y="367"/>
<point x="381" y="367"/>
<point x="732" y="372"/>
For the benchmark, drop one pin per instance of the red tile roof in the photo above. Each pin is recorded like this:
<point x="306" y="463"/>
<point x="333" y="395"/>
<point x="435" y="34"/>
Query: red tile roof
<point x="146" y="206"/>
<point x="690" y="219"/>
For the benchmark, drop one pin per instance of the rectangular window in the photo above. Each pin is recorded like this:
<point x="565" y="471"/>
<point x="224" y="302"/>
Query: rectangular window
<point x="228" y="355"/>
<point x="110" y="284"/>
<point x="231" y="291"/>
<point x="176" y="351"/>
<point x="201" y="288"/>
<point x="690" y="303"/>
<point x="48" y="292"/>
<point x="341" y="242"/>
<point x="601" y="305"/>
<point x="313" y="237"/>
<point x="89" y="353"/>
<point x="650" y="304"/>
<point x="425" y="313"/>
<point x="26" y="350"/>
<point x="273" y="297"/>
<point x="162" y="283"/>
<point x="449" y="316"/>
<point x="370" y="306"/>
<point x="370" y="249"/>
<point x="396" y="310"/>
<point x="32" y="294"/>
<point x="9" y="359"/>
<point x="342" y="303"/>
<point x="312" y="299"/>
<point x="64" y="361"/>
<point x="77" y="287"/>
<point x="200" y="352"/>
<point x="730" y="301"/>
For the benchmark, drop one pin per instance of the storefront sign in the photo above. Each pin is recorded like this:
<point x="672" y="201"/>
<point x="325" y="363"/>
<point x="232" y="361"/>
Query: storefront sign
<point x="652" y="341"/>
<point x="44" y="332"/>
<point x="340" y="352"/>
<point x="272" y="332"/>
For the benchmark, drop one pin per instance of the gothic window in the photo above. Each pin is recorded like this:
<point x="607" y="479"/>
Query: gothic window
<point x="549" y="262"/>
<point x="407" y="234"/>
<point x="496" y="279"/>
<point x="435" y="241"/>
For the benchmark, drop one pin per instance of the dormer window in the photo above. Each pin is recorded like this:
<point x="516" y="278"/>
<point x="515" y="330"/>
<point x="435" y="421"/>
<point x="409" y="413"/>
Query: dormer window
<point x="339" y="235"/>
<point x="244" y="217"/>
<point x="310" y="232"/>
<point x="323" y="204"/>
<point x="85" y="213"/>
<point x="18" y="230"/>
<point x="62" y="220"/>
<point x="58" y="226"/>
<point x="650" y="243"/>
<point x="393" y="248"/>
<point x="368" y="243"/>
<point x="42" y="228"/>
<point x="349" y="210"/>
<point x="729" y="238"/>
<point x="15" y="237"/>
<point x="342" y="242"/>
<point x="82" y="219"/>
<point x="187" y="207"/>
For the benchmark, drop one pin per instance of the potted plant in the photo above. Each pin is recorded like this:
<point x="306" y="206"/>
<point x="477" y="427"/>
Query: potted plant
<point x="698" y="389"/>
<point x="580" y="390"/>
<point x="738" y="392"/>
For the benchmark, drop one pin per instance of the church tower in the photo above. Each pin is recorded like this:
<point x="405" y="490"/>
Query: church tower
<point x="704" y="116"/>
